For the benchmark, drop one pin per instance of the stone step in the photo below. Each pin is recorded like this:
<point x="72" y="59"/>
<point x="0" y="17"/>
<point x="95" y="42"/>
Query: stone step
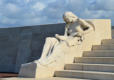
<point x="94" y="60"/>
<point x="90" y="67"/>
<point x="85" y="74"/>
<point x="61" y="78"/>
<point x="53" y="78"/>
<point x="103" y="47"/>
<point x="99" y="53"/>
<point x="108" y="41"/>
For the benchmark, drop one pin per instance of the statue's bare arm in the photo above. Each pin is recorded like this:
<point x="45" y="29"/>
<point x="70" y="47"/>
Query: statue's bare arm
<point x="60" y="37"/>
<point x="63" y="37"/>
<point x="84" y="24"/>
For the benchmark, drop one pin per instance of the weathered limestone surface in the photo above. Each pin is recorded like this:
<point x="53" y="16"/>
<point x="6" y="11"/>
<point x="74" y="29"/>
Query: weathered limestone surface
<point x="57" y="78"/>
<point x="102" y="31"/>
<point x="10" y="40"/>
<point x="27" y="44"/>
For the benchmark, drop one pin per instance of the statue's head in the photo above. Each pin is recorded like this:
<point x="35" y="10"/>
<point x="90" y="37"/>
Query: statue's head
<point x="69" y="17"/>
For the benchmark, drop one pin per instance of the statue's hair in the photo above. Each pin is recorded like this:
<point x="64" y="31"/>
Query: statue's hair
<point x="69" y="17"/>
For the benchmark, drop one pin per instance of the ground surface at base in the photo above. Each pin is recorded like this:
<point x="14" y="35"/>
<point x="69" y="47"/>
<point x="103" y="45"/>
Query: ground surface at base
<point x="5" y="75"/>
<point x="57" y="78"/>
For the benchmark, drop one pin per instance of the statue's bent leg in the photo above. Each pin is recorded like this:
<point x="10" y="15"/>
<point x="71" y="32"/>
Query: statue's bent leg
<point x="58" y="51"/>
<point x="48" y="46"/>
<point x="36" y="68"/>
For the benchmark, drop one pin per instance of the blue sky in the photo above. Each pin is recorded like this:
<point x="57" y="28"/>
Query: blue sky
<point x="15" y="13"/>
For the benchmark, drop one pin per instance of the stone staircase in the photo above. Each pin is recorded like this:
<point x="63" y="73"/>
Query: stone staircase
<point x="97" y="64"/>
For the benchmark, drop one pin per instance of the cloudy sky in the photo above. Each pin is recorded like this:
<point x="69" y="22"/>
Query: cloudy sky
<point x="15" y="13"/>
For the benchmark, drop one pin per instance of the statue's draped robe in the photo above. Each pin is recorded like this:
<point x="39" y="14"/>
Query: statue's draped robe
<point x="51" y="43"/>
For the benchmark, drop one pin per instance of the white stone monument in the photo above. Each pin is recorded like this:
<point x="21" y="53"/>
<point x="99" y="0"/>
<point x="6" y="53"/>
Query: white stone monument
<point x="79" y="36"/>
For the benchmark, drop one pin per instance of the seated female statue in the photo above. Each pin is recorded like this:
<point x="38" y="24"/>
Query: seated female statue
<point x="75" y="30"/>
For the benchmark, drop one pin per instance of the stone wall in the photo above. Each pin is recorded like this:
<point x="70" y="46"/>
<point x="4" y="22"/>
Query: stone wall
<point x="24" y="44"/>
<point x="112" y="33"/>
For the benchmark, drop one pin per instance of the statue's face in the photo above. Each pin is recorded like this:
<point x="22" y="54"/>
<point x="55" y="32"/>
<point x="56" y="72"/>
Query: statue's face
<point x="67" y="20"/>
<point x="69" y="17"/>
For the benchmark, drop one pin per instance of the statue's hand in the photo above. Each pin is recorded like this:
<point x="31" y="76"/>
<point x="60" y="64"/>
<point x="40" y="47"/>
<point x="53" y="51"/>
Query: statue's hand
<point x="56" y="35"/>
<point x="60" y="37"/>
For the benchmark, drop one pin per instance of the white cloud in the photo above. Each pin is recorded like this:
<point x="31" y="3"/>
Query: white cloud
<point x="35" y="20"/>
<point x="12" y="8"/>
<point x="6" y="20"/>
<point x="51" y="1"/>
<point x="1" y="2"/>
<point x="93" y="14"/>
<point x="77" y="4"/>
<point x="39" y="6"/>
<point x="27" y="1"/>
<point x="102" y="5"/>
